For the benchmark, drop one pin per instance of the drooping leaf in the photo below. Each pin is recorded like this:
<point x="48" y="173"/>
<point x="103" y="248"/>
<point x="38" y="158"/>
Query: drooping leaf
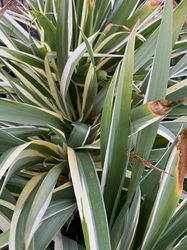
<point x="28" y="115"/>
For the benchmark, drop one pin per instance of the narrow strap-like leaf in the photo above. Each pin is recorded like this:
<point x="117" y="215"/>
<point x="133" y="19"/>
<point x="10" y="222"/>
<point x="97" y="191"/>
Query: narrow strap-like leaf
<point x="89" y="200"/>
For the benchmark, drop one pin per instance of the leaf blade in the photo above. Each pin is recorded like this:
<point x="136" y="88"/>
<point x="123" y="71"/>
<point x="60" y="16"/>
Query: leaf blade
<point x="89" y="200"/>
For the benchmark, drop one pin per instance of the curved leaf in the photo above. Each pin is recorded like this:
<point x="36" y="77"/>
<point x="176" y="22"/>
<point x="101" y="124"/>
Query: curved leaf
<point x="28" y="115"/>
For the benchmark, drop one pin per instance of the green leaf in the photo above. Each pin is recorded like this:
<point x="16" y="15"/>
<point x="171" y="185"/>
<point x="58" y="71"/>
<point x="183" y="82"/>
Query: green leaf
<point x="28" y="115"/>
<point x="64" y="32"/>
<point x="17" y="30"/>
<point x="167" y="198"/>
<point x="62" y="139"/>
<point x="62" y="242"/>
<point x="24" y="156"/>
<point x="23" y="205"/>
<point x="21" y="57"/>
<point x="52" y="83"/>
<point x="28" y="90"/>
<point x="16" y="157"/>
<point x="175" y="228"/>
<point x="89" y="18"/>
<point x="78" y="135"/>
<point x="99" y="102"/>
<point x="182" y="244"/>
<point x="91" y="85"/>
<point x="6" y="39"/>
<point x="146" y="51"/>
<point x="56" y="216"/>
<point x="48" y="27"/>
<point x="160" y="71"/>
<point x="180" y="66"/>
<point x="25" y="131"/>
<point x="142" y="13"/>
<point x="70" y="66"/>
<point x="115" y="157"/>
<point x="124" y="10"/>
<point x="149" y="187"/>
<point x="28" y="76"/>
<point x="4" y="222"/>
<point x="177" y="91"/>
<point x="4" y="239"/>
<point x="7" y="141"/>
<point x="176" y="125"/>
<point x="107" y="113"/>
<point x="131" y="222"/>
<point x="41" y="202"/>
<point x="89" y="200"/>
<point x="6" y="196"/>
<point x="111" y="43"/>
<point x="155" y="90"/>
<point x="101" y="10"/>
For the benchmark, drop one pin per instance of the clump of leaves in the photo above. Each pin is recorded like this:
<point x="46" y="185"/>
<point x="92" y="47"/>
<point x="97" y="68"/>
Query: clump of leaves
<point x="92" y="103"/>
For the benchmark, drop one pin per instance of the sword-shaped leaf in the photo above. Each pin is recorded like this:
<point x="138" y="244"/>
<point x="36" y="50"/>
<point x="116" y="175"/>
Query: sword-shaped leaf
<point x="63" y="32"/>
<point x="114" y="162"/>
<point x="89" y="200"/>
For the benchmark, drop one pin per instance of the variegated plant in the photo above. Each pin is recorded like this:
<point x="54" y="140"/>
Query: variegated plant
<point x="93" y="126"/>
